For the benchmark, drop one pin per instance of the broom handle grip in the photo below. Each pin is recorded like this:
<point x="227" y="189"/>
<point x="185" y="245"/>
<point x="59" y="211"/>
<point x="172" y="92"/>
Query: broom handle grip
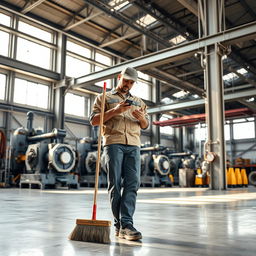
<point x="97" y="171"/>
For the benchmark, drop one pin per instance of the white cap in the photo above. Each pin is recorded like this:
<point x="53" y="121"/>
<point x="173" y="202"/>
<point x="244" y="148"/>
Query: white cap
<point x="130" y="74"/>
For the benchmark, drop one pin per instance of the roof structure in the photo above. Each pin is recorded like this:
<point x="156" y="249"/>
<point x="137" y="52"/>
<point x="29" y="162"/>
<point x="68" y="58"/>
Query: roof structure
<point x="143" y="29"/>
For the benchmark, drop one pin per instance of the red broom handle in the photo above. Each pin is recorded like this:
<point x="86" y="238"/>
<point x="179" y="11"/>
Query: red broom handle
<point x="97" y="171"/>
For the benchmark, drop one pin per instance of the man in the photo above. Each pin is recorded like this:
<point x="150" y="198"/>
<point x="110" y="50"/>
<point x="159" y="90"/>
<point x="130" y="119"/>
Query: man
<point x="125" y="115"/>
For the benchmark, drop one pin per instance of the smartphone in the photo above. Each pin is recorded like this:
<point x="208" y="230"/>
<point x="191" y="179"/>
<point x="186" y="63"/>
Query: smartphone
<point x="129" y="102"/>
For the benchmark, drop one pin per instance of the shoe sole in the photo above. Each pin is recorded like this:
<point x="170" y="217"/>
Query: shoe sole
<point x="130" y="238"/>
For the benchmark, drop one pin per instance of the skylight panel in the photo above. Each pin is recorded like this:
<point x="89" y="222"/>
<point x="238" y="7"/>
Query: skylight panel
<point x="242" y="71"/>
<point x="180" y="94"/>
<point x="118" y="4"/>
<point x="146" y="20"/>
<point x="177" y="40"/>
<point x="230" y="76"/>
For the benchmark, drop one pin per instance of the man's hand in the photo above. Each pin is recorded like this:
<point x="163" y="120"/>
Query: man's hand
<point x="139" y="115"/>
<point x="122" y="107"/>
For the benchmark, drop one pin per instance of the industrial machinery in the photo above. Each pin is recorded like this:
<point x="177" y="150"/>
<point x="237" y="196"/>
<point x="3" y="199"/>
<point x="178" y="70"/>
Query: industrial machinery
<point x="3" y="171"/>
<point x="87" y="155"/>
<point x="42" y="159"/>
<point x="252" y="178"/>
<point x="155" y="167"/>
<point x="183" y="161"/>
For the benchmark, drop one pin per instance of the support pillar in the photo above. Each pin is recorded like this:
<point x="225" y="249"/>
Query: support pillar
<point x="59" y="91"/>
<point x="156" y="136"/>
<point x="214" y="102"/>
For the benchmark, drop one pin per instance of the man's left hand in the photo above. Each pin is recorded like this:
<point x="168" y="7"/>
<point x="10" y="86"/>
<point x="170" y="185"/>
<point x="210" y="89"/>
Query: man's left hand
<point x="138" y="114"/>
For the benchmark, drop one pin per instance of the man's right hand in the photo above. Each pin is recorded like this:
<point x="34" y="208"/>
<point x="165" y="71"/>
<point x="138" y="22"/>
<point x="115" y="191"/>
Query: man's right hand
<point x="122" y="107"/>
<point x="118" y="109"/>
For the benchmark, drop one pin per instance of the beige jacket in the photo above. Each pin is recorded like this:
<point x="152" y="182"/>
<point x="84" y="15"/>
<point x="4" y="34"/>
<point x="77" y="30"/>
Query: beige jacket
<point x="122" y="128"/>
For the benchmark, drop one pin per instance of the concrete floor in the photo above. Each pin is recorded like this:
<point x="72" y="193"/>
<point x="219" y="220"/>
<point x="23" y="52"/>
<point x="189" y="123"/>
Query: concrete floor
<point x="173" y="221"/>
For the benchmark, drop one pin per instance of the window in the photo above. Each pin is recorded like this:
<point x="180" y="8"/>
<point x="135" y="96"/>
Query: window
<point x="240" y="128"/>
<point x="100" y="84"/>
<point x="76" y="63"/>
<point x="166" y="129"/>
<point x="2" y="86"/>
<point x="146" y="20"/>
<point x="35" y="31"/>
<point x="144" y="76"/>
<point x="106" y="60"/>
<point x="5" y="20"/>
<point x="180" y="94"/>
<point x="4" y="43"/>
<point x="78" y="49"/>
<point x="227" y="131"/>
<point x="201" y="132"/>
<point x="118" y="4"/>
<point x="142" y="90"/>
<point x="233" y="76"/>
<point x="177" y="40"/>
<point x="76" y="105"/>
<point x="33" y="53"/>
<point x="30" y="93"/>
<point x="76" y="67"/>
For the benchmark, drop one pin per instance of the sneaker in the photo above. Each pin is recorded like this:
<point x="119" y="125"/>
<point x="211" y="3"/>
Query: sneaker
<point x="130" y="233"/>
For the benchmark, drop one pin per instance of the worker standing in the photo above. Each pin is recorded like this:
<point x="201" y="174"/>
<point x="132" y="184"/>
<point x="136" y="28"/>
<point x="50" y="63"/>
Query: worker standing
<point x="125" y="115"/>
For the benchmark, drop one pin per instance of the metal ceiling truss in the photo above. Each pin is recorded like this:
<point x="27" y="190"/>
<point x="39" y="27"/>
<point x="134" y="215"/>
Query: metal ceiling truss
<point x="248" y="8"/>
<point x="172" y="54"/>
<point x="165" y="18"/>
<point x="103" y="6"/>
<point x="122" y="35"/>
<point x="30" y="5"/>
<point x="200" y="103"/>
<point x="193" y="6"/>
<point x="76" y="19"/>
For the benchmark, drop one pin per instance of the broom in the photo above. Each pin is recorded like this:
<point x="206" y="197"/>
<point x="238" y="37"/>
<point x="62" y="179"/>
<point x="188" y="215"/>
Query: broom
<point x="93" y="230"/>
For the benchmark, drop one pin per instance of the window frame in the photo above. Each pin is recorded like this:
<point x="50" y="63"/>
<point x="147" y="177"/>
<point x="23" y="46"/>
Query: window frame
<point x="34" y="80"/>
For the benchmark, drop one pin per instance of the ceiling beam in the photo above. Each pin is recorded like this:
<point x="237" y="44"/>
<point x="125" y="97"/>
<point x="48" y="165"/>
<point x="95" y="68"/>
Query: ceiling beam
<point x="25" y="68"/>
<point x="81" y="20"/>
<point x="191" y="5"/>
<point x="126" y="20"/>
<point x="199" y="103"/>
<point x="171" y="54"/>
<point x="28" y="7"/>
<point x="250" y="105"/>
<point x="165" y="18"/>
<point x="120" y="39"/>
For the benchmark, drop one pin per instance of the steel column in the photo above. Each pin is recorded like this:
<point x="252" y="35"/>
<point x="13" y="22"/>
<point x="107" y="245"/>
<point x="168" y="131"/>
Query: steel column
<point x="155" y="129"/>
<point x="215" y="102"/>
<point x="59" y="98"/>
<point x="232" y="142"/>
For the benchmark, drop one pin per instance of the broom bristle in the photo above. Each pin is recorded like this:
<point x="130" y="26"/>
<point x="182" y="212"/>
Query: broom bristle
<point x="91" y="231"/>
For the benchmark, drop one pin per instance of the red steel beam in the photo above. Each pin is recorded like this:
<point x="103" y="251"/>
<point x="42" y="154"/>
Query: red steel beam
<point x="199" y="118"/>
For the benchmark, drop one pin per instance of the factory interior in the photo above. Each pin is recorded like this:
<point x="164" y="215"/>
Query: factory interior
<point x="196" y="63"/>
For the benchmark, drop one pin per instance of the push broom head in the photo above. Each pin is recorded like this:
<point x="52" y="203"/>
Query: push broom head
<point x="97" y="231"/>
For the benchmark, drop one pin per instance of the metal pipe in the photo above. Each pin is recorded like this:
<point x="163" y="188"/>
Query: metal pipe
<point x="56" y="133"/>
<point x="30" y="117"/>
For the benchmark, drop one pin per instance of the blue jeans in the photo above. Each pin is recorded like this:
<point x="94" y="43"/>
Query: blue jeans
<point x="123" y="168"/>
